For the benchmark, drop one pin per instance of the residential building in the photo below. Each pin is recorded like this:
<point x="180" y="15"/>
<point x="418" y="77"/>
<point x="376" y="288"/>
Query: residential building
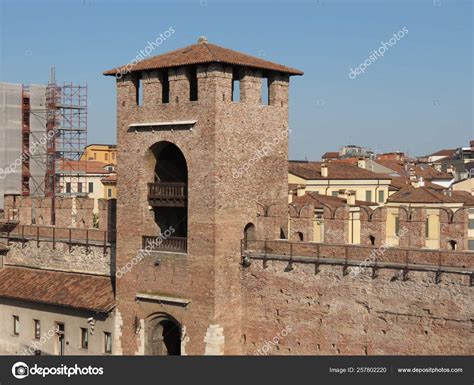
<point x="329" y="178"/>
<point x="88" y="180"/>
<point x="105" y="153"/>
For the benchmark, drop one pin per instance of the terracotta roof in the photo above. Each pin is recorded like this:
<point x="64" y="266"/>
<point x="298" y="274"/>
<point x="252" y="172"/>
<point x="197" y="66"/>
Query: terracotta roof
<point x="410" y="194"/>
<point x="78" y="291"/>
<point x="89" y="166"/>
<point x="463" y="196"/>
<point x="446" y="152"/>
<point x="319" y="199"/>
<point x="312" y="170"/>
<point x="205" y="52"/>
<point x="420" y="169"/>
<point x="330" y="155"/>
<point x="399" y="182"/>
<point x="110" y="179"/>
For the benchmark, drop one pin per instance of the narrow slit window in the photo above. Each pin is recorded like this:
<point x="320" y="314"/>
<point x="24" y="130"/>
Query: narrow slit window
<point x="265" y="92"/>
<point x="165" y="89"/>
<point x="235" y="88"/>
<point x="139" y="88"/>
<point x="193" y="84"/>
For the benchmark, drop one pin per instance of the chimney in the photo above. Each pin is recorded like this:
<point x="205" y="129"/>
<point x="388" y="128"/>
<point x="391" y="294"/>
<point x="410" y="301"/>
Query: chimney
<point x="361" y="163"/>
<point x="300" y="190"/>
<point x="202" y="40"/>
<point x="324" y="170"/>
<point x="341" y="194"/>
<point x="351" y="197"/>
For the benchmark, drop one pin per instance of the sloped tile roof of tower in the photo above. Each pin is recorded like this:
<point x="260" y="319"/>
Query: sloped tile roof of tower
<point x="202" y="53"/>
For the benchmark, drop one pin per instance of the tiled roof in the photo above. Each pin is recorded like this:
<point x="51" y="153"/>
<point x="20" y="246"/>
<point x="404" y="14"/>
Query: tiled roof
<point x="202" y="53"/>
<point x="399" y="182"/>
<point x="330" y="155"/>
<point x="110" y="179"/>
<point x="446" y="152"/>
<point x="312" y="170"/>
<point x="420" y="170"/>
<point x="89" y="166"/>
<point x="410" y="194"/>
<point x="319" y="199"/>
<point x="78" y="291"/>
<point x="463" y="196"/>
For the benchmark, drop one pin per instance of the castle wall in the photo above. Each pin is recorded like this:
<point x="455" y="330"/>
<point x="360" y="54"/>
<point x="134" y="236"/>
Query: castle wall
<point x="299" y="312"/>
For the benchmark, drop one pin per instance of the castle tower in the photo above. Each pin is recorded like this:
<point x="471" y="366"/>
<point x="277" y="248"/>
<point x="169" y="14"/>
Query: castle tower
<point x="199" y="148"/>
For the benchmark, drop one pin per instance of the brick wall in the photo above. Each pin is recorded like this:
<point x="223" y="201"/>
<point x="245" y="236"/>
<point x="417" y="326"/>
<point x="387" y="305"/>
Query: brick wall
<point x="329" y="313"/>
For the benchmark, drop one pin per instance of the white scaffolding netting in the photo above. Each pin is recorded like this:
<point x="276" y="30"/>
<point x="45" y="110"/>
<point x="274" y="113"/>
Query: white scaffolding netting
<point x="10" y="140"/>
<point x="38" y="140"/>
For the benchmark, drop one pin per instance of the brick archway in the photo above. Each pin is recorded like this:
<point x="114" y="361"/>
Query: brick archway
<point x="162" y="336"/>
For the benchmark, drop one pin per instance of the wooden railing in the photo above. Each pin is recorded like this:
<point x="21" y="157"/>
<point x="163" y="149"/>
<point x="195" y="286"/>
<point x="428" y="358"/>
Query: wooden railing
<point x="168" y="193"/>
<point x="178" y="244"/>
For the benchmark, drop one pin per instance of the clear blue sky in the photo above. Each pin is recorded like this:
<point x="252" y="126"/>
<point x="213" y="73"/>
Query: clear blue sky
<point x="418" y="97"/>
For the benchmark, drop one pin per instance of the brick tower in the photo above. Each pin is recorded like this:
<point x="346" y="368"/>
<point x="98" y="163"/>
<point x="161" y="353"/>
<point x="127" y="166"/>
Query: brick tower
<point x="198" y="153"/>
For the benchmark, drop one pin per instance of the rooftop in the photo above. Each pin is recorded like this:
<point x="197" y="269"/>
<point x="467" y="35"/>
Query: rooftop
<point x="336" y="170"/>
<point x="78" y="291"/>
<point x="319" y="200"/>
<point x="203" y="53"/>
<point x="410" y="194"/>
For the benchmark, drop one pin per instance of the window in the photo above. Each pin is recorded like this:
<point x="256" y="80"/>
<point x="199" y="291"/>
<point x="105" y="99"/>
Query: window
<point x="79" y="187"/>
<point x="16" y="325"/>
<point x="193" y="84"/>
<point x="470" y="244"/>
<point x="107" y="342"/>
<point x="368" y="196"/>
<point x="109" y="193"/>
<point x="165" y="88"/>
<point x="37" y="329"/>
<point x="471" y="224"/>
<point x="113" y="156"/>
<point x="84" y="338"/>
<point x="265" y="92"/>
<point x="106" y="155"/>
<point x="91" y="187"/>
<point x="381" y="196"/>
<point x="68" y="187"/>
<point x="397" y="226"/>
<point x="95" y="156"/>
<point x="427" y="227"/>
<point x="235" y="97"/>
<point x="334" y="194"/>
<point x="139" y="91"/>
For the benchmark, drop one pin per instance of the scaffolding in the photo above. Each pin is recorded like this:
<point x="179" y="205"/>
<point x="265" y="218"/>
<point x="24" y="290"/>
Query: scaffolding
<point x="45" y="128"/>
<point x="71" y="140"/>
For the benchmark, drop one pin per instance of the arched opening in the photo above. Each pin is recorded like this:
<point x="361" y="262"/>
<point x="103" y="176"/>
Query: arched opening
<point x="453" y="244"/>
<point x="372" y="240"/>
<point x="163" y="337"/>
<point x="249" y="234"/>
<point x="168" y="195"/>
<point x="299" y="236"/>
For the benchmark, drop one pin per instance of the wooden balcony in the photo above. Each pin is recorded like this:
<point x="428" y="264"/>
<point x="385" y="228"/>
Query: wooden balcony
<point x="170" y="194"/>
<point x="176" y="244"/>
